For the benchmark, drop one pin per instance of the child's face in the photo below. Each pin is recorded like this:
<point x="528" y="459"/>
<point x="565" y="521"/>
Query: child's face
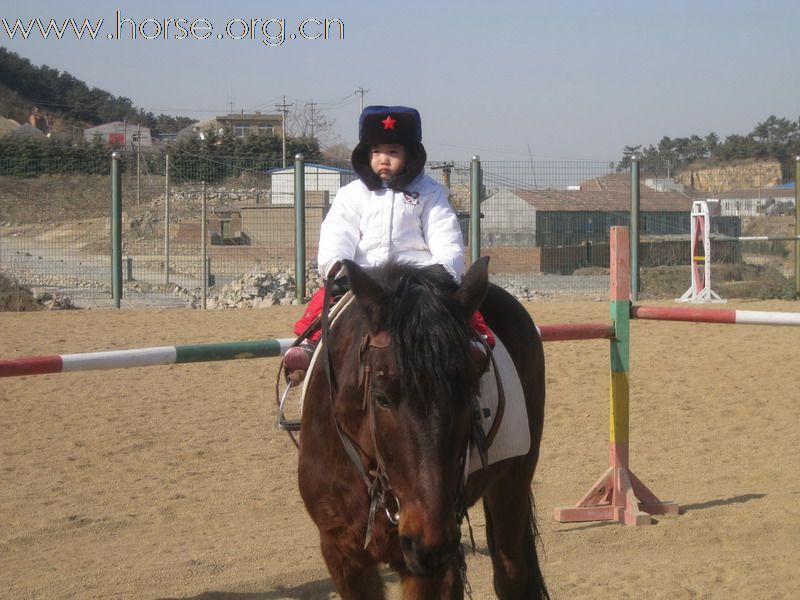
<point x="387" y="160"/>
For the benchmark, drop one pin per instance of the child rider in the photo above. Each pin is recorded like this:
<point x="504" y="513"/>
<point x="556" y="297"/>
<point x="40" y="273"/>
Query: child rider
<point x="393" y="210"/>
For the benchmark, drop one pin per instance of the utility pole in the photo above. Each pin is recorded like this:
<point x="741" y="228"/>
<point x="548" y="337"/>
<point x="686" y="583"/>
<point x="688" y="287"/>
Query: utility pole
<point x="283" y="109"/>
<point x="361" y="91"/>
<point x="311" y="106"/>
<point x="447" y="168"/>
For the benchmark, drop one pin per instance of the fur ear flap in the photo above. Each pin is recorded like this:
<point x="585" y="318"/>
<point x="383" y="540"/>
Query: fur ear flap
<point x="370" y="296"/>
<point x="474" y="285"/>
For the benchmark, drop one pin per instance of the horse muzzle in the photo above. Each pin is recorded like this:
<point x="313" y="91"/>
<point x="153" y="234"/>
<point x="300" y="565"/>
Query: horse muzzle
<point x="427" y="561"/>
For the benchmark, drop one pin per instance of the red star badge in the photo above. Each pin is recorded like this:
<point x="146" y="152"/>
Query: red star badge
<point x="388" y="122"/>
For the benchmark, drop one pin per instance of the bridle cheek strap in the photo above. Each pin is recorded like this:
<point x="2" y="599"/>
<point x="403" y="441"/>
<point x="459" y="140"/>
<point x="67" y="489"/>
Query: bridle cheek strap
<point x="379" y="486"/>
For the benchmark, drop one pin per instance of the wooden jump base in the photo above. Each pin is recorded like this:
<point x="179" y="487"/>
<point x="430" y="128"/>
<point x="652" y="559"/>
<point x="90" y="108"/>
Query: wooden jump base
<point x="700" y="289"/>
<point x="618" y="495"/>
<point x="700" y="246"/>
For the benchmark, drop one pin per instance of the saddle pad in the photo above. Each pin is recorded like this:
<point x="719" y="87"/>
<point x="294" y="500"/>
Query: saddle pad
<point x="513" y="438"/>
<point x="335" y="311"/>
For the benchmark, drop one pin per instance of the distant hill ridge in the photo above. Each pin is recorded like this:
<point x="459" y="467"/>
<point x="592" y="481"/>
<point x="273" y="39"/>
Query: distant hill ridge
<point x="734" y="176"/>
<point x="56" y="102"/>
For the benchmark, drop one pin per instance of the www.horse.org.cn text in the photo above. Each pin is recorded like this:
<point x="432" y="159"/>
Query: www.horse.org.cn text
<point x="270" y="32"/>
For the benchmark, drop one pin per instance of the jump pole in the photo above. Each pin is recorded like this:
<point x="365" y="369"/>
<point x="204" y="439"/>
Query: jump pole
<point x="168" y="355"/>
<point x="618" y="495"/>
<point x="712" y="315"/>
<point x="575" y="331"/>
<point x="143" y="357"/>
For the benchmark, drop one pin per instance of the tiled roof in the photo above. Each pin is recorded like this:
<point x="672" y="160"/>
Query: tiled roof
<point x="608" y="194"/>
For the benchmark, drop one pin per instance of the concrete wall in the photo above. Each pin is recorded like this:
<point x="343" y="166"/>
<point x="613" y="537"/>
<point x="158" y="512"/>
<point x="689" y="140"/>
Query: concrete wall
<point x="275" y="224"/>
<point x="505" y="212"/>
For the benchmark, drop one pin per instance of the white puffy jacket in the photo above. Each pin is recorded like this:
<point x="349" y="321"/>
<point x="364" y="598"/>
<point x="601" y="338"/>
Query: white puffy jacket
<point x="417" y="225"/>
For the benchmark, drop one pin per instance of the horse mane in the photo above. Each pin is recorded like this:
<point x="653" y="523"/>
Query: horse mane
<point x="430" y="334"/>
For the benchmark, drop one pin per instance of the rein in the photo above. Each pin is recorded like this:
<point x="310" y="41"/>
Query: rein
<point x="376" y="481"/>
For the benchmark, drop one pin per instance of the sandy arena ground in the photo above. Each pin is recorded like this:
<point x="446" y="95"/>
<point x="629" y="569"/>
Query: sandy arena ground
<point x="172" y="482"/>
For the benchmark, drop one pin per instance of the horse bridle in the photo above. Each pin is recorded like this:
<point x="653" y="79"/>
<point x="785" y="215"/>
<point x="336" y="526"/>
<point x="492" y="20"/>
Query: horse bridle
<point x="380" y="485"/>
<point x="376" y="480"/>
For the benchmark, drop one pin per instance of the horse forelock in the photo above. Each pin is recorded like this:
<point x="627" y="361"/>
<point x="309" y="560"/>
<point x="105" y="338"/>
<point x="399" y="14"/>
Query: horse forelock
<point x="430" y="336"/>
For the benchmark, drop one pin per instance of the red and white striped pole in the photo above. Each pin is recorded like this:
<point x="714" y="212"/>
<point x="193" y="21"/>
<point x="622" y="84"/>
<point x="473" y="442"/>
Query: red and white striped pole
<point x="712" y="315"/>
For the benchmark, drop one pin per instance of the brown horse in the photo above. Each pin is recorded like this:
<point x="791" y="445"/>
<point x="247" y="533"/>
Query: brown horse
<point x="388" y="420"/>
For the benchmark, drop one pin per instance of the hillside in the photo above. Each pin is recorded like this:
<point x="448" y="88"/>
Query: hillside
<point x="56" y="102"/>
<point x="736" y="175"/>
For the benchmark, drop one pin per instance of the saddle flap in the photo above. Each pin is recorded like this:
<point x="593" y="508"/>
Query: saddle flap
<point x="512" y="437"/>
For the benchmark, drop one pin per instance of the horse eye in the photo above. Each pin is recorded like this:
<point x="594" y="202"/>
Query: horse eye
<point x="381" y="399"/>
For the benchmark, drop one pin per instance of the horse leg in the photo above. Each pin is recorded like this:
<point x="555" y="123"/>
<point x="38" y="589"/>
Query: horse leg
<point x="448" y="587"/>
<point x="354" y="579"/>
<point x="510" y="533"/>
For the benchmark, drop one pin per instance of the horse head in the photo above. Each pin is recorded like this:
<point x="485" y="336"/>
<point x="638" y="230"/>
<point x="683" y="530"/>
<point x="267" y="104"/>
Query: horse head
<point x="419" y="375"/>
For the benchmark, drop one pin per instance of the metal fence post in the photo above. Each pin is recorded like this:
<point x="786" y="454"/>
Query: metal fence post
<point x="300" y="226"/>
<point x="475" y="208"/>
<point x="204" y="252"/>
<point x="634" y="227"/>
<point x="797" y="227"/>
<point x="116" y="230"/>
<point x="166" y="221"/>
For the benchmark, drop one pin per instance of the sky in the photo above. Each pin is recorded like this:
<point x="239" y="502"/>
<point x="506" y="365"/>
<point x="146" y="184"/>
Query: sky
<point x="535" y="80"/>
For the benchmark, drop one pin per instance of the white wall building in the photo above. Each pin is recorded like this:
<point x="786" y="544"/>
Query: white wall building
<point x="122" y="135"/>
<point x="318" y="178"/>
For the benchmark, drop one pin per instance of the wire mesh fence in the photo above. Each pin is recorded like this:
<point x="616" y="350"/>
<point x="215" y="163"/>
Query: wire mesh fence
<point x="543" y="223"/>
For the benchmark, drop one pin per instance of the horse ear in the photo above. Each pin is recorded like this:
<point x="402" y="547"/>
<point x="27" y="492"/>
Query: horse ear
<point x="474" y="285"/>
<point x="369" y="295"/>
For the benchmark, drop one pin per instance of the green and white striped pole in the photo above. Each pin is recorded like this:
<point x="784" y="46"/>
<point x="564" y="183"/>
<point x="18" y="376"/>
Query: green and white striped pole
<point x="144" y="357"/>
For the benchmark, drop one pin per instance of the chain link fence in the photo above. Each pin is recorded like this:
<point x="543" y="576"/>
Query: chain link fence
<point x="543" y="223"/>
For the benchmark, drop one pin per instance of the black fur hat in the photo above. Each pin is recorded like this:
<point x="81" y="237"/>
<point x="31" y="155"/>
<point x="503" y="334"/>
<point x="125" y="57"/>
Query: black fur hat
<point x="389" y="125"/>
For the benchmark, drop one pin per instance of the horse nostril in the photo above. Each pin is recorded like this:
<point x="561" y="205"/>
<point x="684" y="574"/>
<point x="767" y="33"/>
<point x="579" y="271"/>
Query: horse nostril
<point x="422" y="560"/>
<point x="408" y="544"/>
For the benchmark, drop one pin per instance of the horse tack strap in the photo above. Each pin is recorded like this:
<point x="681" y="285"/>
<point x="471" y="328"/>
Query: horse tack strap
<point x="501" y="399"/>
<point x="350" y="447"/>
<point x="376" y="483"/>
<point x="382" y="339"/>
<point x="380" y="483"/>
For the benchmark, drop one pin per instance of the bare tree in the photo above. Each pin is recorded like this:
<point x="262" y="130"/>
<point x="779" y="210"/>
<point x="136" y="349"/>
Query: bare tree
<point x="339" y="153"/>
<point x="308" y="121"/>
